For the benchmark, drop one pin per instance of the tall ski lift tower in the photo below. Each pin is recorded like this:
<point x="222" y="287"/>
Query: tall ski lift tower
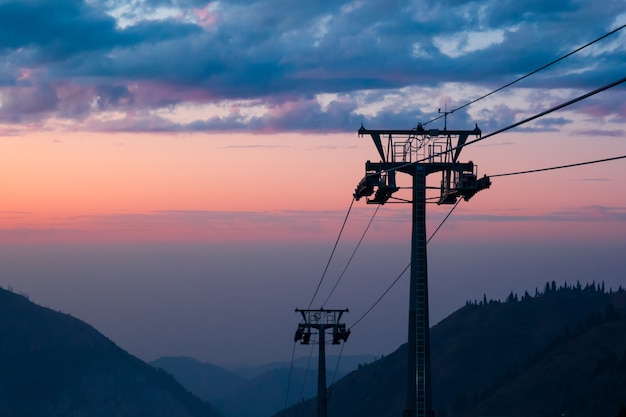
<point x="321" y="320"/>
<point x="419" y="152"/>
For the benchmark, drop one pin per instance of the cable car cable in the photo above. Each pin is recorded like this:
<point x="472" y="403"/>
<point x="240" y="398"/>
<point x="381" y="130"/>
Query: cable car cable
<point x="331" y="254"/>
<point x="493" y="176"/>
<point x="306" y="373"/>
<point x="336" y="369"/>
<point x="293" y="352"/>
<point x="313" y="298"/>
<point x="381" y="297"/>
<point x="404" y="270"/>
<point x="448" y="215"/>
<point x="529" y="74"/>
<point x="545" y="112"/>
<point x="521" y="122"/>
<point x="337" y="365"/>
<point x="575" y="100"/>
<point x="339" y="279"/>
<point x="351" y="256"/>
<point x="597" y="161"/>
<point x="444" y="220"/>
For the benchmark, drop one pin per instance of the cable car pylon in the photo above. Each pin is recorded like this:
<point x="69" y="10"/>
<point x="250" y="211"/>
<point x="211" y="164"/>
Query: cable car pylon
<point x="321" y="320"/>
<point x="419" y="152"/>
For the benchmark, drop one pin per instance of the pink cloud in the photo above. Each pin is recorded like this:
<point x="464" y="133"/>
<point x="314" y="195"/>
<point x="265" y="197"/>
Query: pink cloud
<point x="206" y="17"/>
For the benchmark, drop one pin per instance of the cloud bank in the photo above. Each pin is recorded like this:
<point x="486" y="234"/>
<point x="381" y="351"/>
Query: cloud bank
<point x="278" y="65"/>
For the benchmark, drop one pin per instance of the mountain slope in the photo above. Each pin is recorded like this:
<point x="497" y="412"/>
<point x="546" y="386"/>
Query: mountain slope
<point x="264" y="393"/>
<point x="595" y="365"/>
<point x="479" y="343"/>
<point x="209" y="382"/>
<point x="343" y="364"/>
<point x="472" y="351"/>
<point x="52" y="364"/>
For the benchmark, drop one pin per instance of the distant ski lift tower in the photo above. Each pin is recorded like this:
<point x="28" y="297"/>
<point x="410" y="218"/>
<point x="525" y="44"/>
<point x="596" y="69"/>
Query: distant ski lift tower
<point x="419" y="152"/>
<point x="321" y="320"/>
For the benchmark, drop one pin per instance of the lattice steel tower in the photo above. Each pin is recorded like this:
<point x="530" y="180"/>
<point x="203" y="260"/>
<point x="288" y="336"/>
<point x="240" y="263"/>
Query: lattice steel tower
<point x="419" y="152"/>
<point x="321" y="320"/>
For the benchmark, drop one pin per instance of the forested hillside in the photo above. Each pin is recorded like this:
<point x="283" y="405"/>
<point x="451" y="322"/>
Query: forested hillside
<point x="489" y="349"/>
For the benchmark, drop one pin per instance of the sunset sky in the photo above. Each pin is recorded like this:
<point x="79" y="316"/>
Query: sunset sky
<point x="176" y="172"/>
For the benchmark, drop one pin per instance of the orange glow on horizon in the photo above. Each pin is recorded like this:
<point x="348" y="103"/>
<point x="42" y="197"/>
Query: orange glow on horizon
<point x="290" y="187"/>
<point x="90" y="173"/>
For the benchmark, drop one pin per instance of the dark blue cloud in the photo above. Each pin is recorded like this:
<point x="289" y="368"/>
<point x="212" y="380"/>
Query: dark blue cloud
<point x="578" y="214"/>
<point x="57" y="29"/>
<point x="553" y="122"/>
<point x="159" y="31"/>
<point x="113" y="96"/>
<point x="278" y="50"/>
<point x="26" y="102"/>
<point x="602" y="132"/>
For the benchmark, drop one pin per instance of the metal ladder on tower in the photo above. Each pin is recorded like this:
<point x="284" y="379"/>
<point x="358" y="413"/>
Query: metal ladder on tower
<point x="422" y="327"/>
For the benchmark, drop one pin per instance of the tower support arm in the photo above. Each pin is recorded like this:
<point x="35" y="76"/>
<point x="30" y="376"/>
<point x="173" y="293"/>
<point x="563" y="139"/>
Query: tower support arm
<point x="419" y="130"/>
<point x="409" y="168"/>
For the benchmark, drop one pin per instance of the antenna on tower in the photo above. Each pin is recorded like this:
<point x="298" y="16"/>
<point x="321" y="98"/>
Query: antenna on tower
<point x="445" y="113"/>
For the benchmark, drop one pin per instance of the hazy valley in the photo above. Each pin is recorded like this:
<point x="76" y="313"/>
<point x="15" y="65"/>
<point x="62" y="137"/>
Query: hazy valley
<point x="561" y="350"/>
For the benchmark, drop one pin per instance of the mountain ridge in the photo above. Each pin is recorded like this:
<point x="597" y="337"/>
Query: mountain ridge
<point x="564" y="348"/>
<point x="262" y="386"/>
<point x="474" y="348"/>
<point x="52" y="364"/>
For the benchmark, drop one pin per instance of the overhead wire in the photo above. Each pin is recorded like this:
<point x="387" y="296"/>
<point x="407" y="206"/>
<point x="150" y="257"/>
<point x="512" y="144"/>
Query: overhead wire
<point x="403" y="271"/>
<point x="555" y="108"/>
<point x="443" y="221"/>
<point x="351" y="256"/>
<point x="545" y="112"/>
<point x="458" y="201"/>
<point x="529" y="74"/>
<point x="504" y="129"/>
<point x="456" y="204"/>
<point x="584" y="96"/>
<point x="306" y="373"/>
<point x="331" y="254"/>
<point x="380" y="298"/>
<point x="332" y="382"/>
<point x="339" y="279"/>
<point x="337" y="364"/>
<point x="536" y="116"/>
<point x="521" y="122"/>
<point x="429" y="239"/>
<point x="530" y="171"/>
<point x="293" y="352"/>
<point x="315" y="295"/>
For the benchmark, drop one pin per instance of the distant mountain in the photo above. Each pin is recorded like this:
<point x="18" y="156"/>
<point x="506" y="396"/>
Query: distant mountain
<point x="264" y="390"/>
<point x="343" y="364"/>
<point x="52" y="364"/>
<point x="264" y="395"/>
<point x="209" y="382"/>
<point x="494" y="358"/>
